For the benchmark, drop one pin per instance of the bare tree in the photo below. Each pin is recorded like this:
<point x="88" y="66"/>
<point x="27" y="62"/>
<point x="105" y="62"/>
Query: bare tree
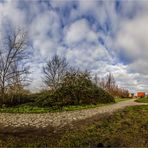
<point x="108" y="83"/>
<point x="19" y="78"/>
<point x="12" y="56"/>
<point x="54" y="71"/>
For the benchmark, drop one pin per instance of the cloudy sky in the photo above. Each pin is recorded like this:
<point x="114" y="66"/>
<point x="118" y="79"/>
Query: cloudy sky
<point x="101" y="36"/>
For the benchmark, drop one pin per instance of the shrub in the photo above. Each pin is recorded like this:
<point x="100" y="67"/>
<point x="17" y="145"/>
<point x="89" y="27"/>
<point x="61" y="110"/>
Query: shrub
<point x="75" y="89"/>
<point x="89" y="95"/>
<point x="44" y="99"/>
<point x="102" y="96"/>
<point x="16" y="99"/>
<point x="47" y="99"/>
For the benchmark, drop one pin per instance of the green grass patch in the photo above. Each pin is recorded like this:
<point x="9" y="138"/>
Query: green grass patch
<point x="24" y="109"/>
<point x="142" y="100"/>
<point x="121" y="99"/>
<point x="27" y="108"/>
<point x="138" y="108"/>
<point x="126" y="128"/>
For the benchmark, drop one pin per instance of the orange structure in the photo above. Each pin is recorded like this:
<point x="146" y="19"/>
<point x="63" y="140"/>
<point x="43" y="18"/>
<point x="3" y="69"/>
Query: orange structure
<point x="141" y="94"/>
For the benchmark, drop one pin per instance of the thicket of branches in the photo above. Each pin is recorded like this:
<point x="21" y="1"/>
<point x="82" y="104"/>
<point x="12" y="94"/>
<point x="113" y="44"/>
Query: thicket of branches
<point x="108" y="83"/>
<point x="54" y="71"/>
<point x="13" y="72"/>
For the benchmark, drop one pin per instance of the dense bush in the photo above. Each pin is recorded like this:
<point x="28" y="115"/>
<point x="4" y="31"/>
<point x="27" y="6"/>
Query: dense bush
<point x="17" y="99"/>
<point x="44" y="99"/>
<point x="76" y="89"/>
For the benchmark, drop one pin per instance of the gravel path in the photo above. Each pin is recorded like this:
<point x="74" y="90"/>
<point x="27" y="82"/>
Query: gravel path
<point x="59" y="119"/>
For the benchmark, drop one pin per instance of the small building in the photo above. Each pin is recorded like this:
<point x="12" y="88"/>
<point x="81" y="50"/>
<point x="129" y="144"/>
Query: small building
<point x="140" y="94"/>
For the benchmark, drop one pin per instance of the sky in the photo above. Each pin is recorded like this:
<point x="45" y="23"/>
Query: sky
<point x="101" y="36"/>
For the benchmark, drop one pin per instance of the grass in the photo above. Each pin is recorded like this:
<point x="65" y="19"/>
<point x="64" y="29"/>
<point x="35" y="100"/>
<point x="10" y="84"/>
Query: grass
<point x="138" y="108"/>
<point x="26" y="108"/>
<point x="29" y="108"/>
<point x="142" y="100"/>
<point x="121" y="99"/>
<point x="126" y="128"/>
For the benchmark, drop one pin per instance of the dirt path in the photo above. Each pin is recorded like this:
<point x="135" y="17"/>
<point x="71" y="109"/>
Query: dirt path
<point x="59" y="119"/>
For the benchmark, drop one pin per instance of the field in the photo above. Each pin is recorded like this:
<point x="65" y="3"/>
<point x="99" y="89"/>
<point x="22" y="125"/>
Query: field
<point x="128" y="127"/>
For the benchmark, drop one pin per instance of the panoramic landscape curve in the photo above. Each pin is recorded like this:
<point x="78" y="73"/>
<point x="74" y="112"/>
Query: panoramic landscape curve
<point x="73" y="73"/>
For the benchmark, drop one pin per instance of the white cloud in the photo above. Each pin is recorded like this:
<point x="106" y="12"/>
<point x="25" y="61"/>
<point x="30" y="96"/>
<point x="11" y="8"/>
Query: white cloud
<point x="87" y="5"/>
<point x="78" y="39"/>
<point x="45" y="33"/>
<point x="79" y="31"/>
<point x="9" y="10"/>
<point x="87" y="56"/>
<point x="59" y="3"/>
<point x="132" y="41"/>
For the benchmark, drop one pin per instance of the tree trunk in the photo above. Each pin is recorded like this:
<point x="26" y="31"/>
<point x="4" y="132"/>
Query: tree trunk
<point x="2" y="96"/>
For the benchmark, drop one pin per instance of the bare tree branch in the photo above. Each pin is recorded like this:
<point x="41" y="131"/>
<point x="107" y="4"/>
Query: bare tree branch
<point x="54" y="71"/>
<point x="11" y="60"/>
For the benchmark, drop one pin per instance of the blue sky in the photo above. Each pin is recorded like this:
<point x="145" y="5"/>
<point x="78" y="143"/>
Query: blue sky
<point x="101" y="36"/>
